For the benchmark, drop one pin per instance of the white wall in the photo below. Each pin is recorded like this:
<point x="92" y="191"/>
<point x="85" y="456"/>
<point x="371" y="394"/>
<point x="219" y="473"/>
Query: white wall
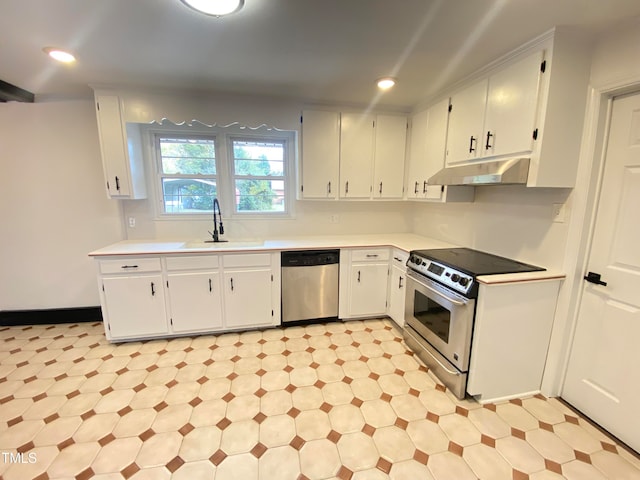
<point x="53" y="207"/>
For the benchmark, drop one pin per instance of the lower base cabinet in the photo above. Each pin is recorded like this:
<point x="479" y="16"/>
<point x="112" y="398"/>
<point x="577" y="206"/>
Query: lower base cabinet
<point x="364" y="276"/>
<point x="397" y="290"/>
<point x="134" y="306"/>
<point x="195" y="302"/>
<point x="247" y="295"/>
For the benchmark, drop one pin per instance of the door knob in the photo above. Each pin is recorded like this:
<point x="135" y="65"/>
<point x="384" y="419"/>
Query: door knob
<point x="595" y="278"/>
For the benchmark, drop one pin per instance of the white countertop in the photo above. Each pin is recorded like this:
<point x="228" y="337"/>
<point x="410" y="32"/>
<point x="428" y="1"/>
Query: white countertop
<point x="403" y="241"/>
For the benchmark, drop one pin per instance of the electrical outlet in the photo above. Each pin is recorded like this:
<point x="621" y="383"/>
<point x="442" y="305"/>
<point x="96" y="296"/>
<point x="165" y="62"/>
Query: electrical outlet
<point x="132" y="222"/>
<point x="334" y="218"/>
<point x="559" y="213"/>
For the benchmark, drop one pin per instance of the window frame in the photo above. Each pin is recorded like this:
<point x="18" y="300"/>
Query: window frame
<point x="225" y="179"/>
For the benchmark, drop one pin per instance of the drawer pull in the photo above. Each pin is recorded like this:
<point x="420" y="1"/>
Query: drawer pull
<point x="129" y="266"/>
<point x="153" y="289"/>
<point x="372" y="255"/>
<point x="210" y="286"/>
<point x="232" y="284"/>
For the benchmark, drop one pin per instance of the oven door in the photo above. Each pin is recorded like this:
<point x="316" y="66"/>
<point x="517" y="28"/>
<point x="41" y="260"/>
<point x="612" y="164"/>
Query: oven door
<point x="440" y="316"/>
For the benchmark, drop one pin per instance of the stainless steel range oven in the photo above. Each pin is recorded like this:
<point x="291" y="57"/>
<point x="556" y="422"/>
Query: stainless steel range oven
<point x="440" y="307"/>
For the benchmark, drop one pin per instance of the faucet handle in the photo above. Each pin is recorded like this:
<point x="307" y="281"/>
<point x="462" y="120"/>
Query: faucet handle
<point x="221" y="228"/>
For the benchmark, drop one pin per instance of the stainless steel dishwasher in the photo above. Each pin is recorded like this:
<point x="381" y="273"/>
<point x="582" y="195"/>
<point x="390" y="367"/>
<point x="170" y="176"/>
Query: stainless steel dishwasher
<point x="310" y="285"/>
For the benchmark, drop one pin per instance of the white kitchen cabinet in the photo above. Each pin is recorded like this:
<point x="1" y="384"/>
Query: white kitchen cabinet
<point x="389" y="156"/>
<point x="195" y="301"/>
<point x="397" y="281"/>
<point x="427" y="156"/>
<point x="511" y="334"/>
<point x="364" y="275"/>
<point x="132" y="298"/>
<point x="320" y="160"/>
<point x="121" y="148"/>
<point x="466" y="119"/>
<point x="250" y="289"/>
<point x="356" y="154"/>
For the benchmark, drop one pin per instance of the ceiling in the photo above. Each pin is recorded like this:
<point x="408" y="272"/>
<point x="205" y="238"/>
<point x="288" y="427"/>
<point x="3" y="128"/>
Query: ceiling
<point x="319" y="51"/>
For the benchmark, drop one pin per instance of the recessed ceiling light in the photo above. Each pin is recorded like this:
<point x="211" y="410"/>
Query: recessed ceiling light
<point x="59" y="55"/>
<point x="217" y="8"/>
<point x="386" y="83"/>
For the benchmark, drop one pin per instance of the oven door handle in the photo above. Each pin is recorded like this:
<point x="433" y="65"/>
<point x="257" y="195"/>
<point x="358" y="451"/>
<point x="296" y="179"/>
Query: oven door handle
<point x="444" y="367"/>
<point x="449" y="299"/>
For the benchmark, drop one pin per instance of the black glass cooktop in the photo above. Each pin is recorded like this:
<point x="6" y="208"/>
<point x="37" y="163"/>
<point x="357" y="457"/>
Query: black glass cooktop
<point x="475" y="262"/>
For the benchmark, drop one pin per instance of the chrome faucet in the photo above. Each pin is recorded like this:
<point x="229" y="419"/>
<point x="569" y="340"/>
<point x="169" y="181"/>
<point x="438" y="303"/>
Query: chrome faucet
<point x="216" y="233"/>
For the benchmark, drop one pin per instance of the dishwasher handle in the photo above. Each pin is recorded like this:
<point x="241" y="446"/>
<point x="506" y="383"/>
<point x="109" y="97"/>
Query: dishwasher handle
<point x="309" y="258"/>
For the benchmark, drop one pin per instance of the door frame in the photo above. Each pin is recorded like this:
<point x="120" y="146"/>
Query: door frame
<point x="585" y="198"/>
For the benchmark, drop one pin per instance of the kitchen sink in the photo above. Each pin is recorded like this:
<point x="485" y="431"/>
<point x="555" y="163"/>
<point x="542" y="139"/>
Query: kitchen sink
<point x="202" y="244"/>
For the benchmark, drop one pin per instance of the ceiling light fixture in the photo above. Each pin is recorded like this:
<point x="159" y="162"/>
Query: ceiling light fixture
<point x="216" y="8"/>
<point x="386" y="83"/>
<point x="59" y="55"/>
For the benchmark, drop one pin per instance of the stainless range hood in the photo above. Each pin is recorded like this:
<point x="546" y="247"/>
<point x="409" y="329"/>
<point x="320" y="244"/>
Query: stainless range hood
<point x="503" y="172"/>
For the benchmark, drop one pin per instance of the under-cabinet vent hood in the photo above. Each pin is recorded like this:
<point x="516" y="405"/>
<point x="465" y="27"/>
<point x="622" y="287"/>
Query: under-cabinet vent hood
<point x="503" y="172"/>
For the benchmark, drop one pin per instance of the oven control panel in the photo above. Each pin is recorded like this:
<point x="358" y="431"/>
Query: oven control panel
<point x="452" y="278"/>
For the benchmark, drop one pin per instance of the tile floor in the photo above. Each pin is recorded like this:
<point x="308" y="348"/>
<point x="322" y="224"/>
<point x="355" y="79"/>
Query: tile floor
<point x="341" y="400"/>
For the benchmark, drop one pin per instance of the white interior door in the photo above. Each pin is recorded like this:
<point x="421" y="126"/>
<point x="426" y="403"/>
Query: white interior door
<point x="603" y="379"/>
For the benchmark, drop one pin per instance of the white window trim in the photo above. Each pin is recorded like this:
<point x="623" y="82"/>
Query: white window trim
<point x="224" y="168"/>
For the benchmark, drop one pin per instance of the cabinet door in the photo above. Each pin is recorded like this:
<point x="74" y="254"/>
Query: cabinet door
<point x="135" y="306"/>
<point x="196" y="301"/>
<point x="465" y="123"/>
<point x="436" y="140"/>
<point x="113" y="145"/>
<point x="511" y="108"/>
<point x="247" y="298"/>
<point x="368" y="289"/>
<point x="356" y="155"/>
<point x="389" y="156"/>
<point x="417" y="176"/>
<point x="320" y="153"/>
<point x="396" y="295"/>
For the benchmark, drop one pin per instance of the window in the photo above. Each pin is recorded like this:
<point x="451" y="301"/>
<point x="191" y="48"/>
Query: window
<point x="187" y="173"/>
<point x="246" y="170"/>
<point x="259" y="175"/>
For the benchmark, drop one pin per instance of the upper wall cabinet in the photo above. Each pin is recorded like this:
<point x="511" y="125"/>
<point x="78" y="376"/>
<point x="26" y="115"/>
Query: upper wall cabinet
<point x="389" y="156"/>
<point x="356" y="154"/>
<point x="531" y="105"/>
<point x="426" y="157"/>
<point x="320" y="154"/>
<point x="121" y="149"/>
<point x="496" y="116"/>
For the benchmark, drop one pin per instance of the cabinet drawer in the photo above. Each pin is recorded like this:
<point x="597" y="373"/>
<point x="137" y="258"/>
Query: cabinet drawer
<point x="370" y="255"/>
<point x="399" y="258"/>
<point x="129" y="265"/>
<point x="248" y="260"/>
<point x="201" y="262"/>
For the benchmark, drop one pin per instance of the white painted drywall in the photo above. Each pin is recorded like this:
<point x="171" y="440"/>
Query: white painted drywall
<point x="53" y="206"/>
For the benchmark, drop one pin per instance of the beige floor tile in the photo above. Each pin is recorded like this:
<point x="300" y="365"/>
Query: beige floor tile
<point x="346" y="419"/>
<point x="149" y="397"/>
<point x="57" y="431"/>
<point x="239" y="437"/>
<point x="299" y="359"/>
<point x="101" y="381"/>
<point x="46" y="407"/>
<point x="614" y="466"/>
<point x="159" y="450"/>
<point x="357" y="451"/>
<point x="276" y="380"/>
<point x="33" y="463"/>
<point x="171" y="358"/>
<point x="427" y="436"/>
<point x="183" y="393"/>
<point x="356" y="369"/>
<point x="215" y="388"/>
<point x="114" y="401"/>
<point x="200" y="443"/>
<point x="277" y="430"/>
<point x="160" y="376"/>
<point x="134" y="423"/>
<point x="408" y="407"/>
<point x="487" y="463"/>
<point x="272" y="363"/>
<point x="437" y="402"/>
<point x="330" y="373"/>
<point x="96" y="427"/>
<point x="371" y="350"/>
<point x="247" y="365"/>
<point x="378" y="413"/>
<point x="543" y="410"/>
<point x="516" y="417"/>
<point x="393" y="443"/>
<point x="449" y="466"/>
<point x="489" y="423"/>
<point x="520" y="455"/>
<point x="393" y="384"/>
<point x="73" y="460"/>
<point x="191" y="373"/>
<point x="577" y="438"/>
<point x="243" y="407"/>
<point x="153" y="473"/>
<point x="236" y="467"/>
<point x="459" y="429"/>
<point x="276" y="402"/>
<point x="172" y="418"/>
<point x="373" y="474"/>
<point x="577" y="470"/>
<point x="550" y="446"/>
<point x="20" y="434"/>
<point x="339" y="393"/>
<point x="319" y="459"/>
<point x="312" y="424"/>
<point x="296" y="344"/>
<point x="307" y="398"/>
<point x="116" y="455"/>
<point x="303" y="376"/>
<point x="273" y="347"/>
<point x="546" y="475"/>
<point x="410" y="469"/>
<point x="207" y="413"/>
<point x="66" y="386"/>
<point x="245" y="384"/>
<point x="31" y="389"/>
<point x="197" y="356"/>
<point x="280" y="463"/>
<point x="200" y="470"/>
<point x="348" y="353"/>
